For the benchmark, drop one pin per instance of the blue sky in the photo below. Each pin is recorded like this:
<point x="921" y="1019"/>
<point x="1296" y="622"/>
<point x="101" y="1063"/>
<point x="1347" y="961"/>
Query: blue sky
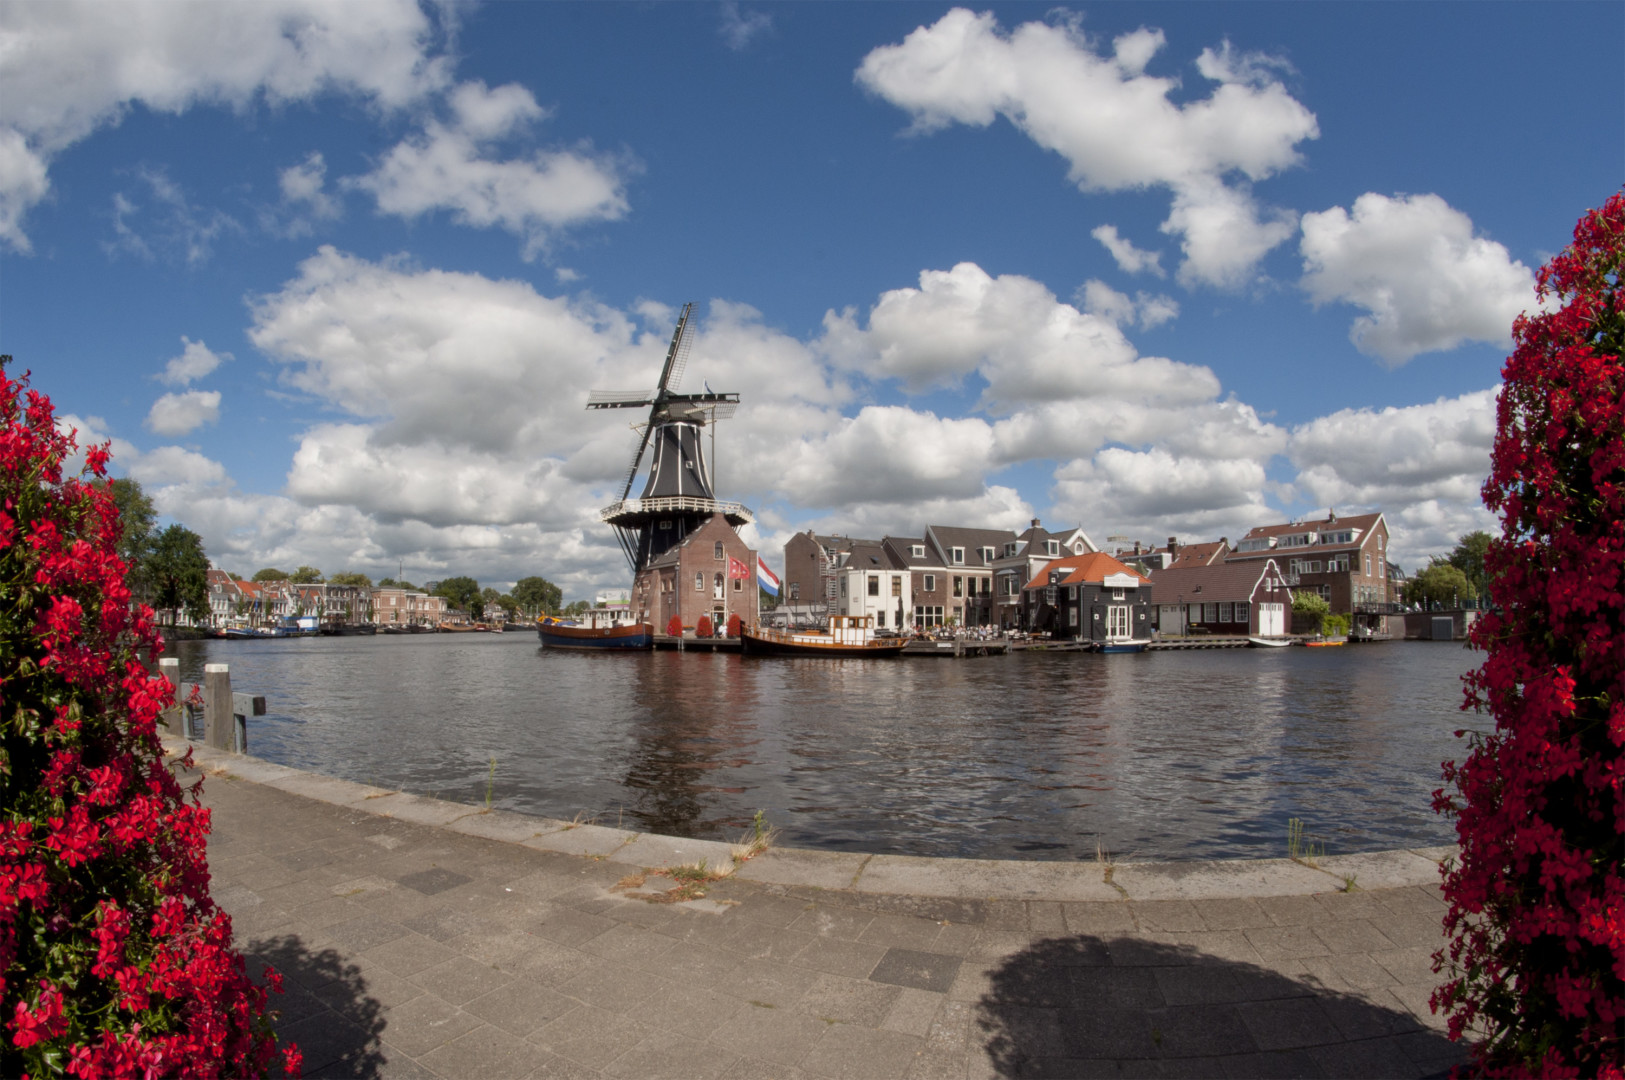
<point x="336" y="279"/>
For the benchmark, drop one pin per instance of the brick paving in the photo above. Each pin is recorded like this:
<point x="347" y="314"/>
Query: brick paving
<point x="412" y="950"/>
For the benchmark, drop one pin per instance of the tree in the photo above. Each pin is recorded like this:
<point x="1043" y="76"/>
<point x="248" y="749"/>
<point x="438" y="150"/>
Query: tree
<point x="270" y="574"/>
<point x="114" y="958"/>
<point x="178" y="572"/>
<point x="1468" y="557"/>
<point x="537" y="595"/>
<point x="391" y="583"/>
<point x="136" y="519"/>
<point x="1439" y="583"/>
<point x="1313" y="605"/>
<point x="462" y="593"/>
<point x="1535" y="924"/>
<point x="306" y="575"/>
<point x="355" y="580"/>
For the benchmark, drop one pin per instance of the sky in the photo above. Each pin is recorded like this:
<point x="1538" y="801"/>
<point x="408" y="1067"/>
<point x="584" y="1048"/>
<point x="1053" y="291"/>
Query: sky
<point x="335" y="280"/>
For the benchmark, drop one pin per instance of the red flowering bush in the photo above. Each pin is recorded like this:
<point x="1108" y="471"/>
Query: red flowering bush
<point x="674" y="627"/>
<point x="703" y="627"/>
<point x="114" y="961"/>
<point x="734" y="623"/>
<point x="1535" y="966"/>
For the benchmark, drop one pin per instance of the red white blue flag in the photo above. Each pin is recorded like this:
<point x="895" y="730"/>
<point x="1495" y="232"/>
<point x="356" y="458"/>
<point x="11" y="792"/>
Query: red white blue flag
<point x="766" y="579"/>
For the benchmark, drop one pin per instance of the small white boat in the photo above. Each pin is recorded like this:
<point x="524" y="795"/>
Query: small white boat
<point x="1268" y="643"/>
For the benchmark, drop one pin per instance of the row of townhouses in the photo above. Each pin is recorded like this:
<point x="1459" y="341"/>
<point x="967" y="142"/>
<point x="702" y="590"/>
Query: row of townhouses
<point x="1062" y="583"/>
<point x="260" y="603"/>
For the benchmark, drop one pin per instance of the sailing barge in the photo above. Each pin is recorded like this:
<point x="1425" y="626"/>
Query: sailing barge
<point x="848" y="635"/>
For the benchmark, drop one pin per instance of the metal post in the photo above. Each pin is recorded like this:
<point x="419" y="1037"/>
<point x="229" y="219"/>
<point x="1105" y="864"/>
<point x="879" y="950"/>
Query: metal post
<point x="170" y="719"/>
<point x="218" y="725"/>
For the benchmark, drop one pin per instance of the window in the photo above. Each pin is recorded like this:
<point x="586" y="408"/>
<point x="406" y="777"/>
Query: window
<point x="1117" y="625"/>
<point x="1368" y="564"/>
<point x="1241" y="614"/>
<point x="716" y="552"/>
<point x="897" y="585"/>
<point x="719" y="588"/>
<point x="874" y="584"/>
<point x="1314" y="566"/>
<point x="1072" y="616"/>
<point x="1077" y="548"/>
<point x="1117" y="594"/>
<point x="880" y="619"/>
<point x="930" y="583"/>
<point x="843" y="586"/>
<point x="1049" y="595"/>
<point x="959" y="586"/>
<point x="917" y="550"/>
<point x="699" y="581"/>
<point x="795" y="590"/>
<point x="987" y="556"/>
<point x="1009" y="585"/>
<point x="1224" y="612"/>
<point x="1071" y="592"/>
<point x="739" y="584"/>
<point x="1379" y="541"/>
<point x="927" y="615"/>
<point x="1052" y="547"/>
<point x="1210" y="612"/>
<point x="1009" y="550"/>
<point x="959" y="556"/>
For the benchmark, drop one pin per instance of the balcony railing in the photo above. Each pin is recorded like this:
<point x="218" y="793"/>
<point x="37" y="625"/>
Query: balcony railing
<point x="676" y="504"/>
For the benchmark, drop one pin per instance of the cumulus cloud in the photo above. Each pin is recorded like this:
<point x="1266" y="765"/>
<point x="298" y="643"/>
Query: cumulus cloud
<point x="739" y="28"/>
<point x="1012" y="331"/>
<point x="184" y="413"/>
<point x="1413" y="263"/>
<point x="1117" y="127"/>
<point x="195" y="361"/>
<point x="1130" y="259"/>
<point x="1413" y="453"/>
<point x="456" y="166"/>
<point x="305" y="199"/>
<point x="1160" y="493"/>
<point x="1099" y="298"/>
<point x="74" y="66"/>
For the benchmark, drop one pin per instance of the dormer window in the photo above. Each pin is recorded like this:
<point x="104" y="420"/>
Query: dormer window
<point x="987" y="556"/>
<point x="959" y="556"/>
<point x="1052" y="547"/>
<point x="918" y="551"/>
<point x="1077" y="548"/>
<point x="1009" y="549"/>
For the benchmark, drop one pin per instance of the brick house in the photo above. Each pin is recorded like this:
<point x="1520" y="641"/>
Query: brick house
<point x="710" y="572"/>
<point x="1021" y="558"/>
<point x="1342" y="559"/>
<point x="1242" y="597"/>
<point x="807" y="589"/>
<point x="967" y="556"/>
<point x="928" y="580"/>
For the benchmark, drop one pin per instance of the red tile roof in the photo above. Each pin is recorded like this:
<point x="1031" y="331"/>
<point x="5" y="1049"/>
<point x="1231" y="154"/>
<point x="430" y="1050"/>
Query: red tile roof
<point x="1092" y="568"/>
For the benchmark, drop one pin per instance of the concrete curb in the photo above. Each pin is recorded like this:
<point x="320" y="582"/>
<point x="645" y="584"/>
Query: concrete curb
<point x="982" y="879"/>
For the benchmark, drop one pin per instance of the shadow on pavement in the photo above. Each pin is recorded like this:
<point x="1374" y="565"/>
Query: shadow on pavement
<point x="1090" y="1006"/>
<point x="324" y="1008"/>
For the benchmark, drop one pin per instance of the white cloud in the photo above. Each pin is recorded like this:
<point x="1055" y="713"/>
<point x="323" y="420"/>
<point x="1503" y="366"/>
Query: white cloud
<point x="73" y="66"/>
<point x="1116" y="126"/>
<point x="892" y="455"/>
<point x="169" y="225"/>
<point x="456" y="167"/>
<point x="1155" y="493"/>
<point x="305" y="200"/>
<point x="1099" y="298"/>
<point x="195" y="361"/>
<point x="1130" y="259"/>
<point x="740" y="28"/>
<point x="1414" y="264"/>
<point x="184" y="413"/>
<point x="1396" y="455"/>
<point x="1012" y="331"/>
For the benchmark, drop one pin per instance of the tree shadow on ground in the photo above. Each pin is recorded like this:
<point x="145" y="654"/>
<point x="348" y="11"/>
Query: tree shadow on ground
<point x="1090" y="1006"/>
<point x="324" y="1007"/>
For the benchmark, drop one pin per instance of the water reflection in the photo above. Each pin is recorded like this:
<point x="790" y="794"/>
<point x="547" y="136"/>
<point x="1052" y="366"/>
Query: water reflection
<point x="1039" y="755"/>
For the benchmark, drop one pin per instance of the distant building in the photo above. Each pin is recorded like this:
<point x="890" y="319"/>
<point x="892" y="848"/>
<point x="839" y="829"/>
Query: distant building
<point x="1344" y="560"/>
<point x="710" y="572"/>
<point x="1242" y="597"/>
<point x="1089" y="597"/>
<point x="1020" y="559"/>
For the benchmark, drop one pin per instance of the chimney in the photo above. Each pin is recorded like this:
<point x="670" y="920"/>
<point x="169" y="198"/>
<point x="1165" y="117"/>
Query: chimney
<point x="1035" y="523"/>
<point x="1173" y="547"/>
<point x="1331" y="516"/>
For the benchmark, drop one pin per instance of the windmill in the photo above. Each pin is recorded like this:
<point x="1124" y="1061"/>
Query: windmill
<point x="678" y="495"/>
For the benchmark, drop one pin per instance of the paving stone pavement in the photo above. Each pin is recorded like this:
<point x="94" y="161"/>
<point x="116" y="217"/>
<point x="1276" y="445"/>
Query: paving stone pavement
<point x="410" y="950"/>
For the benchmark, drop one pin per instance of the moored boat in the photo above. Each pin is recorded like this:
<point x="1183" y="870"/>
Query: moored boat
<point x="558" y="634"/>
<point x="1325" y="644"/>
<point x="848" y="635"/>
<point x="1256" y="642"/>
<point x="1121" y="646"/>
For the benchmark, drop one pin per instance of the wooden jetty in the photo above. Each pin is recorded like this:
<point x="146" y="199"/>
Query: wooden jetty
<point x="697" y="644"/>
<point x="956" y="648"/>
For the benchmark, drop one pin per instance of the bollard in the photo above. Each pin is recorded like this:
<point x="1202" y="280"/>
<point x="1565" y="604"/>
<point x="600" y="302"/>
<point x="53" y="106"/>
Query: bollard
<point x="171" y="718"/>
<point x="242" y="707"/>
<point x="218" y="723"/>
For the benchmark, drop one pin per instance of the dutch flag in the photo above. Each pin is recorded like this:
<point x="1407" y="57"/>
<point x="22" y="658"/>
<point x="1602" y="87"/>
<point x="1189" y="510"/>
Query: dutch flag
<point x="766" y="579"/>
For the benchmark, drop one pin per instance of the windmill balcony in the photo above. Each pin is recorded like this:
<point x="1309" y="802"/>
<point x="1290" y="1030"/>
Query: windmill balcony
<point x="736" y="513"/>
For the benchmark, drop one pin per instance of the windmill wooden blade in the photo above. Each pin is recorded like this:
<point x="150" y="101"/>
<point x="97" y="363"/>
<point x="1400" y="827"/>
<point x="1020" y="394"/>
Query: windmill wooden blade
<point x="674" y="354"/>
<point x="637" y="459"/>
<point x="619" y="399"/>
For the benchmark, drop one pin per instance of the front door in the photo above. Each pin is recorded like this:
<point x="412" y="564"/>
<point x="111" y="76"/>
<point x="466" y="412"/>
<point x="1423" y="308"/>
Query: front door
<point x="1271" y="620"/>
<point x="1117" y="624"/>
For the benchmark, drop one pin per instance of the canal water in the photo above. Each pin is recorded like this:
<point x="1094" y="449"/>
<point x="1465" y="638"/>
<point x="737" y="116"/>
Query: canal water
<point x="1167" y="755"/>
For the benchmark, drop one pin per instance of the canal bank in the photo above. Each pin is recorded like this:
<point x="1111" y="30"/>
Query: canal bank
<point x="423" y="937"/>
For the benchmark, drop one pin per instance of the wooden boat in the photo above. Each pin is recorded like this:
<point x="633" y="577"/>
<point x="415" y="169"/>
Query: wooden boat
<point x="558" y="634"/>
<point x="1325" y="644"/>
<point x="1121" y="646"/>
<point x="1268" y="643"/>
<point x="848" y="635"/>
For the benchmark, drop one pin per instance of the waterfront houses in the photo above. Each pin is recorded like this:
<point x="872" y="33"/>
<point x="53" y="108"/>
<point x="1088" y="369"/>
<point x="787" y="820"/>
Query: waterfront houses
<point x="968" y="557"/>
<point x="1020" y="560"/>
<point x="1220" y="596"/>
<point x="397" y="608"/>
<point x="710" y="572"/>
<point x="1090" y="597"/>
<point x="1343" y="560"/>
